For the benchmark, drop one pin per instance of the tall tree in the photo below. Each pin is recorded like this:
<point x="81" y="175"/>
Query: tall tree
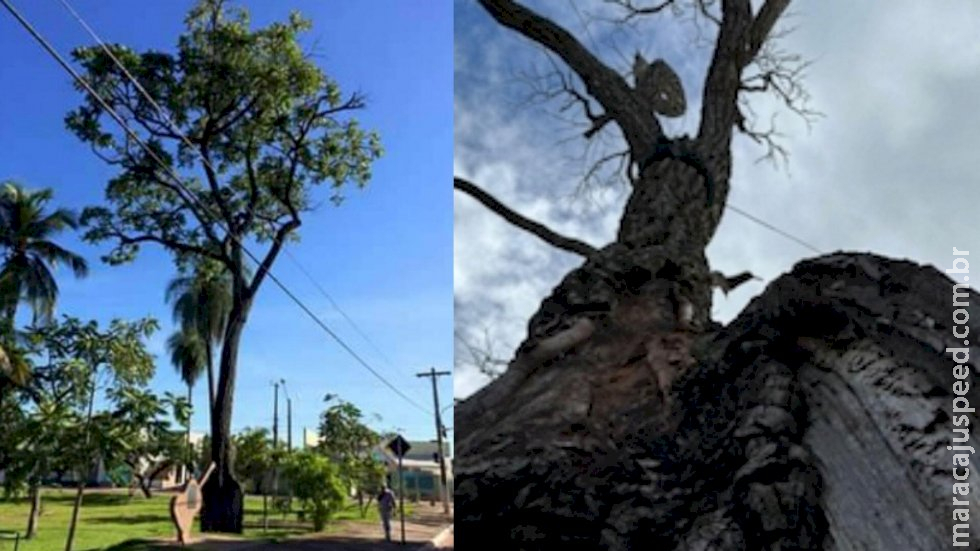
<point x="628" y="420"/>
<point x="264" y="126"/>
<point x="642" y="300"/>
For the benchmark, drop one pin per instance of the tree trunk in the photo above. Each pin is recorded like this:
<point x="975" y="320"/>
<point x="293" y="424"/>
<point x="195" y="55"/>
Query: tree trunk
<point x="81" y="472"/>
<point x="817" y="420"/>
<point x="32" y="518"/>
<point x="70" y="542"/>
<point x="209" y="355"/>
<point x="223" y="497"/>
<point x="190" y="455"/>
<point x="145" y="484"/>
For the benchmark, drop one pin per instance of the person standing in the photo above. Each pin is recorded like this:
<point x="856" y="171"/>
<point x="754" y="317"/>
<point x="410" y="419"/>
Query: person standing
<point x="386" y="506"/>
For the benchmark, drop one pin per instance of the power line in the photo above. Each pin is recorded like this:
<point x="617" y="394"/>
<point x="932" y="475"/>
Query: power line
<point x="770" y="227"/>
<point x="183" y="137"/>
<point x="190" y="197"/>
<point x="337" y="307"/>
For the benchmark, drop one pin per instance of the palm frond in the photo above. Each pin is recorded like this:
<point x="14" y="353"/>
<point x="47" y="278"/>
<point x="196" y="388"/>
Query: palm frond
<point x="187" y="355"/>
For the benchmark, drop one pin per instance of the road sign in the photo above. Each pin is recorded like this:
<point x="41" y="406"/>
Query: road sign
<point x="399" y="446"/>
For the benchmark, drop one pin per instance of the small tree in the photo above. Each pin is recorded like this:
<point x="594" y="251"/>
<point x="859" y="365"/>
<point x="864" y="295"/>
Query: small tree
<point x="253" y="456"/>
<point x="148" y="442"/>
<point x="84" y="356"/>
<point x="317" y="483"/>
<point x="349" y="443"/>
<point x="41" y="437"/>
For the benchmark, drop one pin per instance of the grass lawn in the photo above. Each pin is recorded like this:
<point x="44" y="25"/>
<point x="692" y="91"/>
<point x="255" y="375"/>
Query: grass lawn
<point x="109" y="519"/>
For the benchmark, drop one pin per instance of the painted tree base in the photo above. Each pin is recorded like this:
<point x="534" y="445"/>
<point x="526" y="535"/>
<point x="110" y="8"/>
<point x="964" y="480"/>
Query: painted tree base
<point x="817" y="420"/>
<point x="224" y="505"/>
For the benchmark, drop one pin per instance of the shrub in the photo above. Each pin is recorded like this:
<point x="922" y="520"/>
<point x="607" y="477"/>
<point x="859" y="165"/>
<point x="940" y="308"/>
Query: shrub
<point x="317" y="483"/>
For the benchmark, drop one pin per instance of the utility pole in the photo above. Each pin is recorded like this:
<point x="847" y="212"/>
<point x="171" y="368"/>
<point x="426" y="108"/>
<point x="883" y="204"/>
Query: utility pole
<point x="275" y="444"/>
<point x="289" y="417"/>
<point x="433" y="374"/>
<point x="275" y="417"/>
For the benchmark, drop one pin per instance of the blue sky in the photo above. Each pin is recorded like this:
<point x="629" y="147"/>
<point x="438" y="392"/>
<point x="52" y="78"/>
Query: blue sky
<point x="385" y="255"/>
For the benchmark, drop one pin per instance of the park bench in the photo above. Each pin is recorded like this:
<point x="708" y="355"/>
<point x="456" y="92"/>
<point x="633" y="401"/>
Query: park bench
<point x="10" y="535"/>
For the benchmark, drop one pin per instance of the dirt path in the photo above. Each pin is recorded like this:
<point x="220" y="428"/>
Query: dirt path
<point x="425" y="523"/>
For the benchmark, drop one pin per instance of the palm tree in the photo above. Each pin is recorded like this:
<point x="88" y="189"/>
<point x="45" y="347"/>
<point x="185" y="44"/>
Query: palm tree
<point x="188" y="358"/>
<point x="29" y="253"/>
<point x="28" y="257"/>
<point x="201" y="303"/>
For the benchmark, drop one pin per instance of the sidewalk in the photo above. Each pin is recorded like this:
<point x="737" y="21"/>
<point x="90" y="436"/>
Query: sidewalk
<point x="425" y="524"/>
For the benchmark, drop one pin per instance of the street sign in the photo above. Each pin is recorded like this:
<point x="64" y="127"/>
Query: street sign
<point x="399" y="446"/>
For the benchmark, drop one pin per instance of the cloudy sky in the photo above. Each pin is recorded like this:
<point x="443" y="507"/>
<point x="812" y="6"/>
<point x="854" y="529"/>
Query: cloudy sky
<point x="890" y="167"/>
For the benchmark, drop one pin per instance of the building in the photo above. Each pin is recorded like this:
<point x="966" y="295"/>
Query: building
<point x="420" y="470"/>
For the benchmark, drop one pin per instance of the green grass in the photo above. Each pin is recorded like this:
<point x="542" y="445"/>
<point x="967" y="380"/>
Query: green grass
<point x="113" y="520"/>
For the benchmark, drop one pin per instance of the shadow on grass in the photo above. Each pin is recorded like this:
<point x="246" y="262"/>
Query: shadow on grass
<point x="254" y="530"/>
<point x="89" y="499"/>
<point x="129" y="519"/>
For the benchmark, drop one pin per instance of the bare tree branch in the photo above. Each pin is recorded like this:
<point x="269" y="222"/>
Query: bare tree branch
<point x="633" y="10"/>
<point x="603" y="83"/>
<point x="540" y="230"/>
<point x="763" y="23"/>
<point x="482" y="356"/>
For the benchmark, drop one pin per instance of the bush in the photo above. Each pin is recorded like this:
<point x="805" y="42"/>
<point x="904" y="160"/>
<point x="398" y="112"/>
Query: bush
<point x="316" y="482"/>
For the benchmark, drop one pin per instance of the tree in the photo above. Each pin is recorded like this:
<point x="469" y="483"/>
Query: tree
<point x="88" y="353"/>
<point x="349" y="443"/>
<point x="253" y="457"/>
<point x="316" y="482"/>
<point x="142" y="430"/>
<point x="627" y="419"/>
<point x="264" y="125"/>
<point x="39" y="438"/>
<point x="64" y="431"/>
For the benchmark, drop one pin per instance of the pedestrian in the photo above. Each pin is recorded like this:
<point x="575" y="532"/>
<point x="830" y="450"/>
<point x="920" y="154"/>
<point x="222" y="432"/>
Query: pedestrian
<point x="386" y="506"/>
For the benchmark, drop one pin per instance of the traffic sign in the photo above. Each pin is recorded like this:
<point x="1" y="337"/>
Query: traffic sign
<point x="399" y="446"/>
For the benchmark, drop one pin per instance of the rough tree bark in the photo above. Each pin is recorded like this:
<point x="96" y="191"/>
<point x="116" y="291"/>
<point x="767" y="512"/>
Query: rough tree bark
<point x="816" y="420"/>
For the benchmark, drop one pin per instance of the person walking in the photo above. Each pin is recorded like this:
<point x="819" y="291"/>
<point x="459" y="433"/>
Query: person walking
<point x="386" y="506"/>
